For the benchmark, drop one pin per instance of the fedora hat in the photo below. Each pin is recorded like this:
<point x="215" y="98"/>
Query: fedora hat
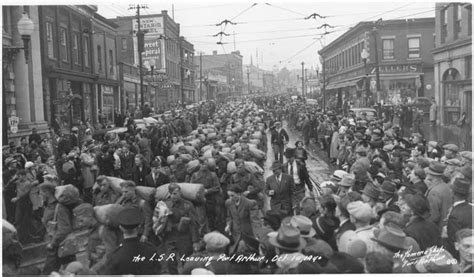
<point x="436" y="168"/>
<point x="348" y="180"/>
<point x="339" y="174"/>
<point x="288" y="238"/>
<point x="276" y="165"/>
<point x="304" y="224"/>
<point x="418" y="204"/>
<point x="371" y="191"/>
<point x="451" y="147"/>
<point x="392" y="237"/>
<point x="461" y="186"/>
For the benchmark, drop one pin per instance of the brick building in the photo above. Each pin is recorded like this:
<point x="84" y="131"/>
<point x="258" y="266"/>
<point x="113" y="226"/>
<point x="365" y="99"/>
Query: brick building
<point x="404" y="59"/>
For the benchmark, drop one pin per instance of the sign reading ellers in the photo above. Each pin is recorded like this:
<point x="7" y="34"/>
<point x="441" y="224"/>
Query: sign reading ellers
<point x="397" y="68"/>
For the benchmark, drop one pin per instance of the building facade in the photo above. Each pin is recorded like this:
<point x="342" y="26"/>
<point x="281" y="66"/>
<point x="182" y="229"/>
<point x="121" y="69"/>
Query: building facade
<point x="222" y="74"/>
<point x="187" y="71"/>
<point x="22" y="83"/>
<point x="453" y="61"/>
<point x="69" y="76"/>
<point x="405" y="63"/>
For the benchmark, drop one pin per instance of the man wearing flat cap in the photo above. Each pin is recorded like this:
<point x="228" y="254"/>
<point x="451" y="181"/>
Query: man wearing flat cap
<point x="280" y="187"/>
<point x="450" y="152"/>
<point x="279" y="139"/>
<point x="124" y="260"/>
<point x="360" y="168"/>
<point x="438" y="194"/>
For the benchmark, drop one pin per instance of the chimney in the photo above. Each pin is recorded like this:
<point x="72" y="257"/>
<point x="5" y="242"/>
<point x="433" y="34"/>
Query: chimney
<point x="214" y="52"/>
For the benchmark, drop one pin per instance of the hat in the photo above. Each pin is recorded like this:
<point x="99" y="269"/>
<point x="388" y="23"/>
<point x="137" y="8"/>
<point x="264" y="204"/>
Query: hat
<point x="418" y="204"/>
<point x="201" y="271"/>
<point x="29" y="164"/>
<point x="276" y="165"/>
<point x="47" y="185"/>
<point x="451" y="147"/>
<point x="215" y="240"/>
<point x="130" y="217"/>
<point x="357" y="248"/>
<point x="235" y="188"/>
<point x="436" y="168"/>
<point x="388" y="147"/>
<point x="389" y="187"/>
<point x="74" y="129"/>
<point x="432" y="143"/>
<point x="277" y="123"/>
<point x="155" y="164"/>
<point x="371" y="191"/>
<point x="461" y="186"/>
<point x="10" y="160"/>
<point x="361" y="149"/>
<point x="345" y="239"/>
<point x="288" y="238"/>
<point x="290" y="152"/>
<point x="348" y="180"/>
<point x="360" y="211"/>
<point x="318" y="247"/>
<point x="339" y="174"/>
<point x="466" y="155"/>
<point x="420" y="173"/>
<point x="417" y="135"/>
<point x="392" y="237"/>
<point x="273" y="218"/>
<point x="304" y="224"/>
<point x="378" y="132"/>
<point x="436" y="260"/>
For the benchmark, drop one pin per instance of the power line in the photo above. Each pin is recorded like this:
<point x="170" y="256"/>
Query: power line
<point x="285" y="9"/>
<point x="299" y="52"/>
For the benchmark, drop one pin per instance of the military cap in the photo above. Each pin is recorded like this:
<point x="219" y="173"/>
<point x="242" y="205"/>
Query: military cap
<point x="130" y="217"/>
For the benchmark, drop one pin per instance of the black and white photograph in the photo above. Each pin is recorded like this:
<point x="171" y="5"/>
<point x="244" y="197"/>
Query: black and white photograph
<point x="236" y="137"/>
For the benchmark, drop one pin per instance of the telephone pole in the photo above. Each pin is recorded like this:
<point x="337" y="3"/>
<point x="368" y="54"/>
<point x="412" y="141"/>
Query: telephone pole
<point x="141" y="46"/>
<point x="248" y="80"/>
<point x="200" y="75"/>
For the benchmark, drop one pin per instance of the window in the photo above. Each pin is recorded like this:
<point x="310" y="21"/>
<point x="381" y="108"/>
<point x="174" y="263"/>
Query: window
<point x="468" y="64"/>
<point x="111" y="62"/>
<point x="469" y="20"/>
<point x="444" y="24"/>
<point x="457" y="20"/>
<point x="75" y="48"/>
<point x="387" y="48"/>
<point x="413" y="48"/>
<point x="86" y="51"/>
<point x="99" y="57"/>
<point x="6" y="20"/>
<point x="49" y="39"/>
<point x="63" y="44"/>
<point x="124" y="44"/>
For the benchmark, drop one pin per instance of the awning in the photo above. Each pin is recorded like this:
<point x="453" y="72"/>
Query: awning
<point x="343" y="84"/>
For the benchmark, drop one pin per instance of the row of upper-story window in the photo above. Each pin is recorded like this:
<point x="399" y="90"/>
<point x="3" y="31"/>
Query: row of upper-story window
<point x="346" y="58"/>
<point x="458" y="10"/>
<point x="76" y="49"/>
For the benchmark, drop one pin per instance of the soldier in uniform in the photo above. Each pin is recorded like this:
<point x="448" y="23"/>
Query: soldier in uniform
<point x="132" y="256"/>
<point x="180" y="236"/>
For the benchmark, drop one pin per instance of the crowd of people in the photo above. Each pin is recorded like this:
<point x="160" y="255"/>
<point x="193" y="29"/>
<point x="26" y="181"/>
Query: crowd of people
<point x="188" y="196"/>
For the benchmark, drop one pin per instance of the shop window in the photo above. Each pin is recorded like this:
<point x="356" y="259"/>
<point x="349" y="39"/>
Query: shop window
<point x="387" y="46"/>
<point x="468" y="65"/>
<point x="413" y="48"/>
<point x="63" y="44"/>
<point x="49" y="39"/>
<point x="450" y="88"/>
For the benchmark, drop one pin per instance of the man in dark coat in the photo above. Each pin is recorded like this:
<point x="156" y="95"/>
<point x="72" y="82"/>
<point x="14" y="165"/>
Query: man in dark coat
<point x="127" y="162"/>
<point x="279" y="139"/>
<point x="243" y="214"/>
<point x="298" y="171"/>
<point x="248" y="182"/>
<point x="460" y="214"/>
<point x="140" y="170"/>
<point x="280" y="188"/>
<point x="156" y="178"/>
<point x="132" y="256"/>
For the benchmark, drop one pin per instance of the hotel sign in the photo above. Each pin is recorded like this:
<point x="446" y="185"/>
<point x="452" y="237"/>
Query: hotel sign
<point x="153" y="45"/>
<point x="397" y="68"/>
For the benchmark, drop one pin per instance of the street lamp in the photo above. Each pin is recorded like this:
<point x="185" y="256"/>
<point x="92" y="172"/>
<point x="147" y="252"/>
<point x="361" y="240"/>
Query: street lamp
<point x="26" y="28"/>
<point x="365" y="55"/>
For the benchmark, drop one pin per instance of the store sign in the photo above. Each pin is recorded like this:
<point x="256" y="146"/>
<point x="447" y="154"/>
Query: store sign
<point x="107" y="90"/>
<point x="13" y="121"/>
<point x="397" y="68"/>
<point x="153" y="44"/>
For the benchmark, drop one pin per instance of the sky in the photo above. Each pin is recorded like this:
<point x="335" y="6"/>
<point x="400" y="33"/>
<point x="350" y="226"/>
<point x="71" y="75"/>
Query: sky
<point x="273" y="34"/>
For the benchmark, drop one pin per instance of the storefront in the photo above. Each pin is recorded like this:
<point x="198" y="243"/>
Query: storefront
<point x="108" y="103"/>
<point x="456" y="96"/>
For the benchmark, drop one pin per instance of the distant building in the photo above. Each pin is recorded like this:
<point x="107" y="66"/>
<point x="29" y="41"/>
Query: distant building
<point x="221" y="73"/>
<point x="453" y="61"/>
<point x="404" y="59"/>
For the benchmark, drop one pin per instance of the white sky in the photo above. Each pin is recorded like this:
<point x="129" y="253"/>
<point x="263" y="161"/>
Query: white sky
<point x="277" y="29"/>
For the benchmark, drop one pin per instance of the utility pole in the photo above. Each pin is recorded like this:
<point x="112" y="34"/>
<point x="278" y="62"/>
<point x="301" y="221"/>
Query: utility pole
<point x="302" y="79"/>
<point x="200" y="75"/>
<point x="181" y="71"/>
<point x="141" y="42"/>
<point x="324" y="85"/>
<point x="248" y="80"/>
<point x="377" y="73"/>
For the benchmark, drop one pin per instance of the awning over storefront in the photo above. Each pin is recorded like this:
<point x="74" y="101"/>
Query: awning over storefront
<point x="343" y="84"/>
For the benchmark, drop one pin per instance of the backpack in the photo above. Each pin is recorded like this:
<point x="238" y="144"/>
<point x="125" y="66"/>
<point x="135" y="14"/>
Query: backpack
<point x="83" y="217"/>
